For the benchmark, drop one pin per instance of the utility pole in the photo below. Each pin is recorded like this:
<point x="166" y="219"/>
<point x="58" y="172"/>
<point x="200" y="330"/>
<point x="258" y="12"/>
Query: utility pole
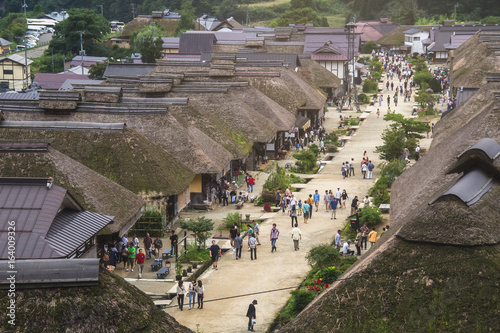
<point x="454" y="15"/>
<point x="64" y="25"/>
<point x="52" y="52"/>
<point x="247" y="21"/>
<point x="26" y="63"/>
<point x="101" y="9"/>
<point x="82" y="52"/>
<point x="133" y="11"/>
<point x="24" y="7"/>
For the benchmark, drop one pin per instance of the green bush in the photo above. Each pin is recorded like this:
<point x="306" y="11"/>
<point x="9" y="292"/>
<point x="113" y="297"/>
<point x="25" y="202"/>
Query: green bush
<point x="277" y="179"/>
<point x="195" y="254"/>
<point x="230" y="219"/>
<point x="328" y="275"/>
<point x="363" y="99"/>
<point x="331" y="149"/>
<point x="332" y="137"/>
<point x="314" y="148"/>
<point x="434" y="85"/>
<point x="299" y="300"/>
<point x="369" y="46"/>
<point x="346" y="263"/>
<point x="323" y="256"/>
<point x="382" y="197"/>
<point x="370" y="86"/>
<point x="353" y="122"/>
<point x="370" y="215"/>
<point x="306" y="161"/>
<point x="423" y="76"/>
<point x="392" y="170"/>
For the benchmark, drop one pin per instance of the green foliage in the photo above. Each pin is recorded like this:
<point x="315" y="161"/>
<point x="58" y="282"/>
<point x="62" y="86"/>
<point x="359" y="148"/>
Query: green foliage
<point x="186" y="21"/>
<point x="363" y="99"/>
<point x="66" y="38"/>
<point x="370" y="215"/>
<point x="201" y="228"/>
<point x="230" y="219"/>
<point x="96" y="72"/>
<point x="353" y="122"/>
<point x="328" y="275"/>
<point x="323" y="256"/>
<point x="491" y="20"/>
<point x="435" y="85"/>
<point x="195" y="254"/>
<point x="404" y="12"/>
<point x="307" y="161"/>
<point x="392" y="170"/>
<point x="298" y="301"/>
<point x="422" y="76"/>
<point x="369" y="46"/>
<point x="43" y="64"/>
<point x="178" y="267"/>
<point x="151" y="50"/>
<point x="314" y="148"/>
<point x="425" y="100"/>
<point x="410" y="127"/>
<point x="370" y="86"/>
<point x="13" y="25"/>
<point x="139" y="37"/>
<point x="394" y="143"/>
<point x="279" y="179"/>
<point x="299" y="16"/>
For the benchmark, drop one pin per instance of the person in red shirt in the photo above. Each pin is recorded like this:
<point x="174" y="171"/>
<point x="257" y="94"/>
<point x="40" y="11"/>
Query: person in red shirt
<point x="140" y="262"/>
<point x="251" y="182"/>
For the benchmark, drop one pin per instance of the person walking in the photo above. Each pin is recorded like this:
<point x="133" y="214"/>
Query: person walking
<point x="256" y="231"/>
<point x="251" y="182"/>
<point x="131" y="256"/>
<point x="148" y="242"/>
<point x="307" y="209"/>
<point x="274" y="236"/>
<point x="296" y="237"/>
<point x="316" y="199"/>
<point x="201" y="294"/>
<point x="214" y="254"/>
<point x="333" y="207"/>
<point x="140" y="262"/>
<point x="310" y="201"/>
<point x="326" y="198"/>
<point x="370" y="168"/>
<point x="251" y="315"/>
<point x="238" y="243"/>
<point x="293" y="214"/>
<point x="364" y="234"/>
<point x="351" y="167"/>
<point x="344" y="197"/>
<point x="180" y="294"/>
<point x="232" y="233"/>
<point x="253" y="247"/>
<point x="192" y="293"/>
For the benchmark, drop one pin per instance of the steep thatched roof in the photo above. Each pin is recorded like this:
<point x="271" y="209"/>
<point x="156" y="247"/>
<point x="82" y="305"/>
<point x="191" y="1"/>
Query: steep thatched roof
<point x="114" y="305"/>
<point x="125" y="157"/>
<point x="141" y="22"/>
<point x="438" y="266"/>
<point x="92" y="190"/>
<point x="472" y="61"/>
<point x="317" y="75"/>
<point x="395" y="37"/>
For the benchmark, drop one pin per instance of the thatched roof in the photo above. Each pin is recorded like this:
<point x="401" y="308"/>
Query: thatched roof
<point x="438" y="246"/>
<point x="114" y="305"/>
<point x="141" y="22"/>
<point x="92" y="190"/>
<point x="125" y="157"/>
<point x="395" y="37"/>
<point x="472" y="61"/>
<point x="317" y="75"/>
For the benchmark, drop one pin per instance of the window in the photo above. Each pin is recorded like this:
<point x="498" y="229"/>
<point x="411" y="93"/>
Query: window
<point x="8" y="72"/>
<point x="416" y="39"/>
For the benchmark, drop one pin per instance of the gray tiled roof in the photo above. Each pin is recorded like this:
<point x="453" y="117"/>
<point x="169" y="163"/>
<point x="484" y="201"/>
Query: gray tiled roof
<point x="128" y="70"/>
<point x="196" y="43"/>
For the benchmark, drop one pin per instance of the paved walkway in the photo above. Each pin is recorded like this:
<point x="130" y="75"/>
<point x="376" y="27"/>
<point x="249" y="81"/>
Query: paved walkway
<point x="286" y="267"/>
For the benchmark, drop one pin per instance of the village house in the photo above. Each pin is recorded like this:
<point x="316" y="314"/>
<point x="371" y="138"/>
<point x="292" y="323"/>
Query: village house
<point x="13" y="72"/>
<point x="414" y="39"/>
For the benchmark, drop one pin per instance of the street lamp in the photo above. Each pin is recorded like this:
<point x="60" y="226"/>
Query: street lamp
<point x="24" y="6"/>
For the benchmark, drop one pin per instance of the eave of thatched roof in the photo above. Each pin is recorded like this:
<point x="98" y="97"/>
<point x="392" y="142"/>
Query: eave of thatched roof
<point x="472" y="61"/>
<point x="317" y="75"/>
<point x="395" y="37"/>
<point x="92" y="190"/>
<point x="125" y="157"/>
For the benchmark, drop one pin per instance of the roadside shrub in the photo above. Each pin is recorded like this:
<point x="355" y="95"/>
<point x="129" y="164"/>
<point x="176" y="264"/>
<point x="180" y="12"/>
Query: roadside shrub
<point x="314" y="148"/>
<point x="298" y="302"/>
<point x="434" y="85"/>
<point x="230" y="219"/>
<point x="345" y="263"/>
<point x="370" y="86"/>
<point x="370" y="215"/>
<point x="328" y="275"/>
<point x="392" y="170"/>
<point x="382" y="197"/>
<point x="363" y="99"/>
<point x="323" y="256"/>
<point x="306" y="161"/>
<point x="423" y="76"/>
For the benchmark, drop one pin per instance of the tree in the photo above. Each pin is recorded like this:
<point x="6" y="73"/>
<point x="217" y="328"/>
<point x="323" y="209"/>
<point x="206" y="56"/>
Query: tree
<point x="298" y="16"/>
<point x="323" y="256"/>
<point x="138" y="38"/>
<point x="66" y="38"/>
<point x="201" y="228"/>
<point x="410" y="127"/>
<point x="369" y="46"/>
<point x="187" y="18"/>
<point x="306" y="161"/>
<point x="394" y="143"/>
<point x="299" y="4"/>
<point x="151" y="50"/>
<point x="96" y="72"/>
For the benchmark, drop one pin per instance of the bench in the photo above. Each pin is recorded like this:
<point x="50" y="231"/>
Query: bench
<point x="157" y="264"/>
<point x="167" y="253"/>
<point x="163" y="272"/>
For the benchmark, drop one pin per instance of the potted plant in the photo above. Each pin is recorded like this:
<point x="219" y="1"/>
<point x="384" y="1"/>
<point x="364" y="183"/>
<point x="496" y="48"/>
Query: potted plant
<point x="178" y="270"/>
<point x="184" y="272"/>
<point x="189" y="270"/>
<point x="195" y="265"/>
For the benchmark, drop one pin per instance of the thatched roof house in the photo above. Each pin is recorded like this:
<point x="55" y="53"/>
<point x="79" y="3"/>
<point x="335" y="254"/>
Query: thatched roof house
<point x="437" y="268"/>
<point x="92" y="190"/>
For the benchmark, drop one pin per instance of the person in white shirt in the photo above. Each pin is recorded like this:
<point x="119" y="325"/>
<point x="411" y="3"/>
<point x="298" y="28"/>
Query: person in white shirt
<point x="201" y="294"/>
<point x="346" y="250"/>
<point x="296" y="236"/>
